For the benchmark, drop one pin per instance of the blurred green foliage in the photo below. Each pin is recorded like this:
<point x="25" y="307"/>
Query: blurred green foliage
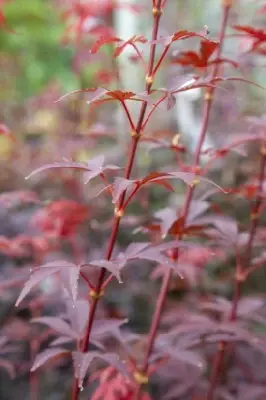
<point x="35" y="47"/>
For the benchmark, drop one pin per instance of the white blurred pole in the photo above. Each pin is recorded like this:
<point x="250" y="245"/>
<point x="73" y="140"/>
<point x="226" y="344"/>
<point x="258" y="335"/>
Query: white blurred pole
<point x="188" y="122"/>
<point x="126" y="24"/>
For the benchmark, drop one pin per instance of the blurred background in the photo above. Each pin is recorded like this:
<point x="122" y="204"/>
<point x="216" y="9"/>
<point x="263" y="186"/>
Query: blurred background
<point x="45" y="53"/>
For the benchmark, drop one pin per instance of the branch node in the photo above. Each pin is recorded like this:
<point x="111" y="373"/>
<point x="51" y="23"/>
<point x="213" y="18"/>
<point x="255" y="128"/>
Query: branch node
<point x="118" y="212"/>
<point x="156" y="12"/>
<point x="240" y="276"/>
<point x="96" y="295"/>
<point x="141" y="378"/>
<point x="208" y="96"/>
<point x="227" y="3"/>
<point x="149" y="80"/>
<point x="135" y="134"/>
<point x="221" y="346"/>
<point x="175" y="140"/>
<point x="254" y="215"/>
<point x="197" y="170"/>
<point x="263" y="150"/>
<point x="195" y="182"/>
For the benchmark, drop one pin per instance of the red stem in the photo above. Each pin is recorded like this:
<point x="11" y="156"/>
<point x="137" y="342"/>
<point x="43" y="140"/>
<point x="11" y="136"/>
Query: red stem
<point x="161" y="59"/>
<point x="239" y="279"/>
<point x="167" y="277"/>
<point x="128" y="116"/>
<point x="117" y="217"/>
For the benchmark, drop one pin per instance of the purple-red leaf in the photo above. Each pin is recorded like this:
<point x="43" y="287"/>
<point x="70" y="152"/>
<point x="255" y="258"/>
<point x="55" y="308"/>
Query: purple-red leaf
<point x="111" y="266"/>
<point x="36" y="277"/>
<point x="107" y="327"/>
<point x="58" y="324"/>
<point x="9" y="367"/>
<point x="103" y="40"/>
<point x="82" y="363"/>
<point x="120" y="185"/>
<point x="92" y="168"/>
<point x="69" y="274"/>
<point x="78" y="315"/>
<point x="47" y="355"/>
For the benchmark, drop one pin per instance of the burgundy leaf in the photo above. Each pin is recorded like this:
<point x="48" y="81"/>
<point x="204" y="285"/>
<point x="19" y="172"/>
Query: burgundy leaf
<point x="70" y="277"/>
<point x="92" y="168"/>
<point x="167" y="217"/>
<point x="96" y="163"/>
<point x="119" y="186"/>
<point x="111" y="266"/>
<point x="107" y="327"/>
<point x="62" y="164"/>
<point x="200" y="59"/>
<point x="190" y="179"/>
<point x="179" y="35"/>
<point x="249" y="305"/>
<point x="78" y="315"/>
<point x="92" y="94"/>
<point x="82" y="363"/>
<point x="9" y="367"/>
<point x="69" y="273"/>
<point x="227" y="226"/>
<point x="47" y="355"/>
<point x="57" y="324"/>
<point x="218" y="304"/>
<point x="103" y="40"/>
<point x="134" y="249"/>
<point x="61" y="340"/>
<point x="36" y="277"/>
<point x="197" y="208"/>
<point x="188" y="357"/>
<point x="134" y="39"/>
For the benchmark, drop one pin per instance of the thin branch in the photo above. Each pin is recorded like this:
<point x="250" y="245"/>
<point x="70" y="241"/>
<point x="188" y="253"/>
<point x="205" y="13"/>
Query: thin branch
<point x="117" y="217"/>
<point x="167" y="277"/>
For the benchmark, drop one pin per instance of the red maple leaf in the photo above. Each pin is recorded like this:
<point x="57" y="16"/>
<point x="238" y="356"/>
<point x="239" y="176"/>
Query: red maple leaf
<point x="258" y="35"/>
<point x="62" y="217"/>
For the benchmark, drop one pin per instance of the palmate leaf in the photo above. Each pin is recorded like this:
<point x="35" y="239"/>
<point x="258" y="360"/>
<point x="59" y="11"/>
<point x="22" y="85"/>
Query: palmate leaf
<point x="107" y="327"/>
<point x="9" y="367"/>
<point x="101" y="95"/>
<point x="249" y="305"/>
<point x="78" y="315"/>
<point x="69" y="276"/>
<point x="179" y="35"/>
<point x="152" y="252"/>
<point x="258" y="35"/>
<point x="111" y="266"/>
<point x="48" y="355"/>
<point x="58" y="324"/>
<point x="200" y="59"/>
<point x="92" y="168"/>
<point x="227" y="226"/>
<point x="130" y="42"/>
<point x="120" y="185"/>
<point x="120" y="44"/>
<point x="159" y="178"/>
<point x="191" y="84"/>
<point x="82" y="363"/>
<point x="102" y="41"/>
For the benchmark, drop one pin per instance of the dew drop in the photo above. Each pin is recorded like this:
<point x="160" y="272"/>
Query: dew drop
<point x="81" y="388"/>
